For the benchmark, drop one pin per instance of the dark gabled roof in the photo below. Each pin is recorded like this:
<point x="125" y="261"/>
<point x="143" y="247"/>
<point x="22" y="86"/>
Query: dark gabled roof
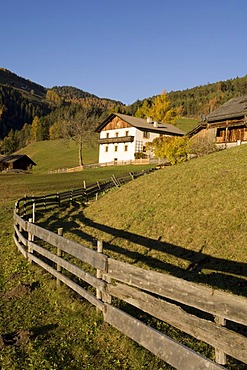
<point x="15" y="157"/>
<point x="143" y="125"/>
<point x="234" y="108"/>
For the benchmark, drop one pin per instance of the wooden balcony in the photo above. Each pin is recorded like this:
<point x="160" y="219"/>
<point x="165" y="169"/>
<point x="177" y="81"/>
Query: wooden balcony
<point x="115" y="140"/>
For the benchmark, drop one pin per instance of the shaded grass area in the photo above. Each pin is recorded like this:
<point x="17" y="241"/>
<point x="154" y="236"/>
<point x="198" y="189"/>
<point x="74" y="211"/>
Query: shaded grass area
<point x="42" y="327"/>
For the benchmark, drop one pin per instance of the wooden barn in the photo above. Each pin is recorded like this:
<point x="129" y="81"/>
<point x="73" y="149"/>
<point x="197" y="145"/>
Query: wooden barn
<point x="16" y="162"/>
<point x="226" y="126"/>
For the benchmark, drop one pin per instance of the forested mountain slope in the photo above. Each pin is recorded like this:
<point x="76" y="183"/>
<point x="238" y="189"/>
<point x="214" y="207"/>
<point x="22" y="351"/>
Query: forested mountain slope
<point x="21" y="100"/>
<point x="201" y="99"/>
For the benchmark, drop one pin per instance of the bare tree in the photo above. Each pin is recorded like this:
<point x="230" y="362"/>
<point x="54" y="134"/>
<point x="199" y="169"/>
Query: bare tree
<point x="80" y="129"/>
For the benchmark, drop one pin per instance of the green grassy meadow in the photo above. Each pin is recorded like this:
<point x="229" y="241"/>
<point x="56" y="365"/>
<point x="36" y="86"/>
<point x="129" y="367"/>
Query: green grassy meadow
<point x="42" y="327"/>
<point x="187" y="220"/>
<point x="186" y="124"/>
<point x="52" y="155"/>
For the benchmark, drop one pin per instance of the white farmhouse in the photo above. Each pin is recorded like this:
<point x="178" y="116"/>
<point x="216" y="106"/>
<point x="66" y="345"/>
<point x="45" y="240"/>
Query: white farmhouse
<point x="123" y="136"/>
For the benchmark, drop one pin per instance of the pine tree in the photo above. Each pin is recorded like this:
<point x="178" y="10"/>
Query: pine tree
<point x="10" y="143"/>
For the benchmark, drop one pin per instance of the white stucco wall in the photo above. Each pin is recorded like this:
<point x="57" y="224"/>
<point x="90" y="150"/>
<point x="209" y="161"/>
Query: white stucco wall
<point x="121" y="154"/>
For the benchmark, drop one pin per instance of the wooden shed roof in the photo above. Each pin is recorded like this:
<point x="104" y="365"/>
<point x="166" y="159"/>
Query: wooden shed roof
<point x="143" y="125"/>
<point x="15" y="157"/>
<point x="234" y="108"/>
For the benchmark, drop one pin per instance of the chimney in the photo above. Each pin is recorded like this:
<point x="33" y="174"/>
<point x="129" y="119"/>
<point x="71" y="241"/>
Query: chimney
<point x="155" y="124"/>
<point x="149" y="120"/>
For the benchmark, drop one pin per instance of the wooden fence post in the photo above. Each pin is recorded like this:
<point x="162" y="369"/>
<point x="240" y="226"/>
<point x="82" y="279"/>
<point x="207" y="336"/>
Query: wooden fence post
<point x="58" y="199"/>
<point x="33" y="211"/>
<point x="98" y="272"/>
<point x="25" y="205"/>
<point x="30" y="239"/>
<point x="103" y="276"/>
<point x="17" y="207"/>
<point x="33" y="218"/>
<point x="20" y="229"/>
<point x="44" y="198"/>
<point x="220" y="356"/>
<point x="59" y="254"/>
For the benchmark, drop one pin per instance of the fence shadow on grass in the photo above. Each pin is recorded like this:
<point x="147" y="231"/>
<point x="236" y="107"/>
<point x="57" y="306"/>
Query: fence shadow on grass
<point x="221" y="273"/>
<point x="68" y="220"/>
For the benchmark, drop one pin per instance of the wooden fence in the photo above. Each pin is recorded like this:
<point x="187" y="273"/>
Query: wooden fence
<point x="200" y="311"/>
<point x="154" y="161"/>
<point x="27" y="204"/>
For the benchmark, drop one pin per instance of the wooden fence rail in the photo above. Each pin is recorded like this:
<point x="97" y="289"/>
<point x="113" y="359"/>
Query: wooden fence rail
<point x="164" y="297"/>
<point x="24" y="206"/>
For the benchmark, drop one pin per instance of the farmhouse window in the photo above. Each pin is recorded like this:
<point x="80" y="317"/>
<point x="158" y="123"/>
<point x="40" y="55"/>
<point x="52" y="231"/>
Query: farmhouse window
<point x="125" y="148"/>
<point x="116" y="147"/>
<point x="146" y="134"/>
<point x="107" y="135"/>
<point x="127" y="133"/>
<point x="106" y="148"/>
<point x="116" y="134"/>
<point x="139" y="146"/>
<point x="221" y="135"/>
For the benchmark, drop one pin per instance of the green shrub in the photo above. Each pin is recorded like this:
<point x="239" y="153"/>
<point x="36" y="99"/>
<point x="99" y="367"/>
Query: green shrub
<point x="175" y="149"/>
<point x="200" y="146"/>
<point x="140" y="155"/>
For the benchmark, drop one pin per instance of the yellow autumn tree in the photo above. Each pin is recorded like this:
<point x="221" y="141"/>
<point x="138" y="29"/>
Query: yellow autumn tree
<point x="143" y="110"/>
<point x="159" y="110"/>
<point x="35" y="129"/>
<point x="53" y="96"/>
<point x="174" y="148"/>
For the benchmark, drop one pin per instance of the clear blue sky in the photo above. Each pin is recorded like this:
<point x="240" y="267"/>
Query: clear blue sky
<point x="124" y="50"/>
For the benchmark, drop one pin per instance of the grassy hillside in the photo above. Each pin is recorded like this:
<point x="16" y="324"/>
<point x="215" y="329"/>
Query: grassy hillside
<point x="188" y="220"/>
<point x="47" y="328"/>
<point x="51" y="155"/>
<point x="186" y="124"/>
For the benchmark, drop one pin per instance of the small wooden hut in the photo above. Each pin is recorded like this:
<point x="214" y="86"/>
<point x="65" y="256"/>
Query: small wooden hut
<point x="16" y="162"/>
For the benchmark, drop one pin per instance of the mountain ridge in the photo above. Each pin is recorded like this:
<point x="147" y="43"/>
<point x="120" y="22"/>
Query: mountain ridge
<point x="21" y="100"/>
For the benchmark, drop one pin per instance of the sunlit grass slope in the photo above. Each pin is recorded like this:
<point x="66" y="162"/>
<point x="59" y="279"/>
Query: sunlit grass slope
<point x="186" y="124"/>
<point x="187" y="219"/>
<point x="51" y="155"/>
